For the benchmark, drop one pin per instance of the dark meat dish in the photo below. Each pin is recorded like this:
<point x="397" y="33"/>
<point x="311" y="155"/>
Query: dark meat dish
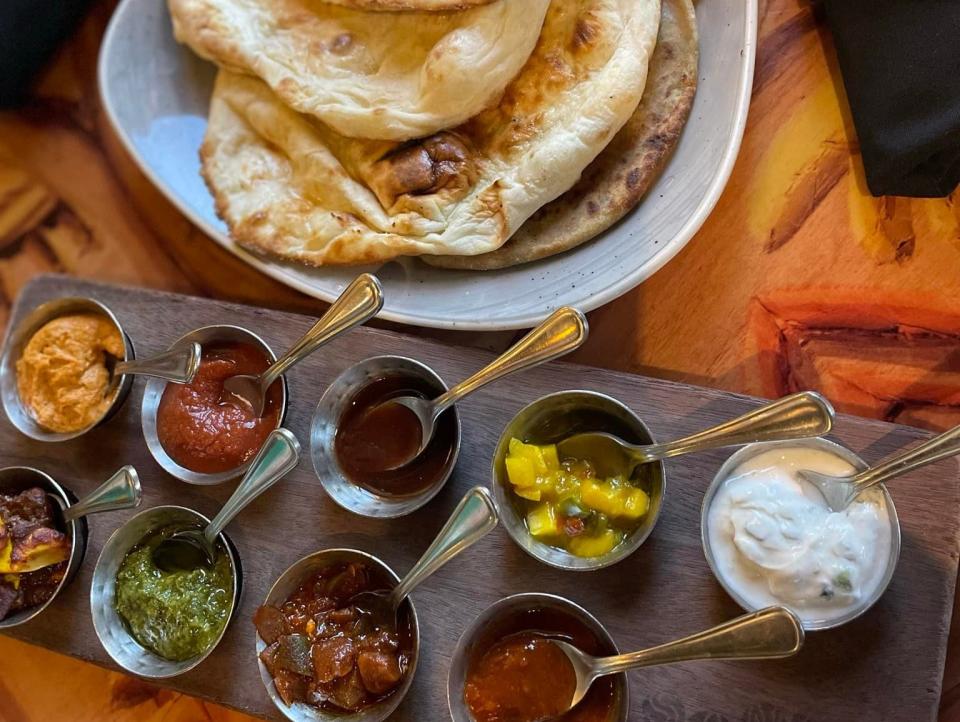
<point x="323" y="651"/>
<point x="33" y="552"/>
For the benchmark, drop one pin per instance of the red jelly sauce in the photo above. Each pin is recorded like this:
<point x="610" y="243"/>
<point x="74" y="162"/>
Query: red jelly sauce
<point x="209" y="437"/>
<point x="517" y="675"/>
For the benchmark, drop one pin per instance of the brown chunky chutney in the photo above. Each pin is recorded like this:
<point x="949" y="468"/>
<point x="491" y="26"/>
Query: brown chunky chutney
<point x="323" y="651"/>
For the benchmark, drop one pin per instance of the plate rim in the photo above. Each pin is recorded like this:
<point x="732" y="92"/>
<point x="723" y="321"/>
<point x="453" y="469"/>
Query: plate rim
<point x="277" y="270"/>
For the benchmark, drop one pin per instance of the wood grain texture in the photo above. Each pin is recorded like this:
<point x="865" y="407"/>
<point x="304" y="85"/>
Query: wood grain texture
<point x="886" y="665"/>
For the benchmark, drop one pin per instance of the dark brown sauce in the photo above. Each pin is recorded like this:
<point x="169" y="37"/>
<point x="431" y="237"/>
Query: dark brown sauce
<point x="372" y="437"/>
<point x="532" y="679"/>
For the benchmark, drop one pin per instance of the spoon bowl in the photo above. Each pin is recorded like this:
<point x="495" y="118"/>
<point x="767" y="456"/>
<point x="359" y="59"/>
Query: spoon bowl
<point x="360" y="301"/>
<point x="560" y="333"/>
<point x="840" y="491"/>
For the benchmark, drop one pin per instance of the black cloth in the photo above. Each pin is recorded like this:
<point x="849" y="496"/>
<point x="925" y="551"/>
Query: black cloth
<point x="30" y="31"/>
<point x="900" y="61"/>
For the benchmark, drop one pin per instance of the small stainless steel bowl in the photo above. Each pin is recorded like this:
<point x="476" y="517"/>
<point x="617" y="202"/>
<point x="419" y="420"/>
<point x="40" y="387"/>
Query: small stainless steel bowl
<point x="323" y="431"/>
<point x="155" y="388"/>
<point x="550" y="419"/>
<point x="748" y="452"/>
<point x="494" y="622"/>
<point x="17" y="339"/>
<point x="286" y="584"/>
<point x="110" y="628"/>
<point x="15" y="479"/>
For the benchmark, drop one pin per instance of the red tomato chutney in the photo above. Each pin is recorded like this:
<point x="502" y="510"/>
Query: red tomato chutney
<point x="204" y="435"/>
<point x="518" y="675"/>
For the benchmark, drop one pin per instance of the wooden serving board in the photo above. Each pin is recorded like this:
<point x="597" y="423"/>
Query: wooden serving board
<point x="887" y="665"/>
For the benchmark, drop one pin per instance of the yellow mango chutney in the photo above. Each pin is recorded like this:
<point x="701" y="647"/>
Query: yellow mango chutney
<point x="567" y="505"/>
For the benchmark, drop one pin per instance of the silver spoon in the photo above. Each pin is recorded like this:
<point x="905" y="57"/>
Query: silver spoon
<point x="796" y="416"/>
<point x="474" y="517"/>
<point x="120" y="491"/>
<point x="770" y="633"/>
<point x="189" y="549"/>
<point x="560" y="333"/>
<point x="178" y="365"/>
<point x="840" y="491"/>
<point x="359" y="302"/>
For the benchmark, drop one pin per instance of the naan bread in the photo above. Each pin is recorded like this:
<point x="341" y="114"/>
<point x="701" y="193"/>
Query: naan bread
<point x="291" y="187"/>
<point x="620" y="176"/>
<point x="368" y="75"/>
<point x="397" y="5"/>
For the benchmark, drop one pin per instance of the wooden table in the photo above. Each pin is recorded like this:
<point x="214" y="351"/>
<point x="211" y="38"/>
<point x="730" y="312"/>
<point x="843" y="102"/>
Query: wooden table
<point x="798" y="279"/>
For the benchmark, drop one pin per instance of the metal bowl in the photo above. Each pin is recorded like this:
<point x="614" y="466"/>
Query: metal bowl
<point x="550" y="419"/>
<point x="17" y="339"/>
<point x="489" y="626"/>
<point x="323" y="431"/>
<point x="110" y="628"/>
<point x="748" y="452"/>
<point x="154" y="391"/>
<point x="15" y="479"/>
<point x="286" y="584"/>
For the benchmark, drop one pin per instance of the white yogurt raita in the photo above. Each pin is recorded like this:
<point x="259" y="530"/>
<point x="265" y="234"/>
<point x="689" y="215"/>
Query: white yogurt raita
<point x="775" y="541"/>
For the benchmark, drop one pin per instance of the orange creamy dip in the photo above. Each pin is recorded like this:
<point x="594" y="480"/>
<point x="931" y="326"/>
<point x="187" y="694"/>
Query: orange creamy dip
<point x="62" y="375"/>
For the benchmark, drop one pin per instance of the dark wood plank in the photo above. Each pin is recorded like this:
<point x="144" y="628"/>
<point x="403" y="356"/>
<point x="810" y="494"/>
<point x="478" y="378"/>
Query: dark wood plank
<point x="887" y="665"/>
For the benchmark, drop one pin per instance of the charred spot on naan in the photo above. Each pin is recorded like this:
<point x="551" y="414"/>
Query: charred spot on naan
<point x="443" y="161"/>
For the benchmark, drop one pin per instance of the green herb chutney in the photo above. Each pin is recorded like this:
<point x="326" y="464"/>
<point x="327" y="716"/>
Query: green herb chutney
<point x="176" y="615"/>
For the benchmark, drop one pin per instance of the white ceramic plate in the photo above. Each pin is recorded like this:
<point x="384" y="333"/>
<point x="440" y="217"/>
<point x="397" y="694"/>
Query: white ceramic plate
<point x="155" y="93"/>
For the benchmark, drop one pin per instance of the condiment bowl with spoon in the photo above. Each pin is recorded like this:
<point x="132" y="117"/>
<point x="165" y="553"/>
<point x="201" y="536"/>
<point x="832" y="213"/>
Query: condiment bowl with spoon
<point x="120" y="491"/>
<point x="473" y="518"/>
<point x="549" y="615"/>
<point x="208" y="337"/>
<point x="813" y="618"/>
<point x="278" y="456"/>
<point x="771" y="633"/>
<point x="177" y="366"/>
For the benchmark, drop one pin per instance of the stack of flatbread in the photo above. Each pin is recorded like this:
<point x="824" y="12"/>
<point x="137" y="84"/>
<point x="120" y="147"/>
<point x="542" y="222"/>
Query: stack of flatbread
<point x="475" y="134"/>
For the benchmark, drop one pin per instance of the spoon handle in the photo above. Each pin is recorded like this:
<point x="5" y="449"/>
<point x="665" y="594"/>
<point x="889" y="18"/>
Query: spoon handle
<point x="939" y="447"/>
<point x="560" y="333"/>
<point x="120" y="491"/>
<point x="473" y="518"/>
<point x="359" y="302"/>
<point x="178" y="365"/>
<point x="770" y="633"/>
<point x="279" y="455"/>
<point x="797" y="416"/>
